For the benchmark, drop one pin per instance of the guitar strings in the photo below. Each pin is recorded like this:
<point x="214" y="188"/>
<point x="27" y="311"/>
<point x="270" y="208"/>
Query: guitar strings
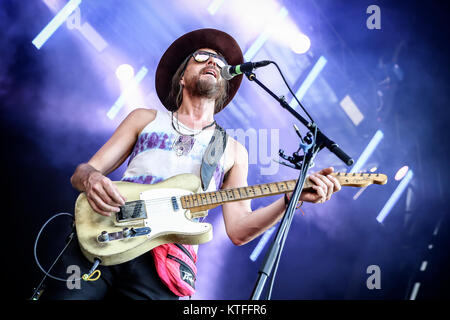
<point x="212" y="195"/>
<point x="169" y="199"/>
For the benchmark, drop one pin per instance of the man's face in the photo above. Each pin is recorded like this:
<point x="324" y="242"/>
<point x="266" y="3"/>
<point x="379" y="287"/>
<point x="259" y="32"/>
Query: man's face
<point x="203" y="78"/>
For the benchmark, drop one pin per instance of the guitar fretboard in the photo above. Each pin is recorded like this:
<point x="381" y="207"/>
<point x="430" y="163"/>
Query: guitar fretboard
<point x="215" y="198"/>
<point x="212" y="199"/>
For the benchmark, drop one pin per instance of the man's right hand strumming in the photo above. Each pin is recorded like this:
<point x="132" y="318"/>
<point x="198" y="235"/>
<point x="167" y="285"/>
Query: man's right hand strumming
<point x="101" y="193"/>
<point x="90" y="177"/>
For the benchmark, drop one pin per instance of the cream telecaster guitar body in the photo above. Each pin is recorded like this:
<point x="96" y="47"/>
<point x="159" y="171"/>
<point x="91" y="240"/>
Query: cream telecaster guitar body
<point x="165" y="212"/>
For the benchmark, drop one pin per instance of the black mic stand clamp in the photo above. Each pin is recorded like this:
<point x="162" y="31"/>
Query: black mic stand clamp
<point x="296" y="158"/>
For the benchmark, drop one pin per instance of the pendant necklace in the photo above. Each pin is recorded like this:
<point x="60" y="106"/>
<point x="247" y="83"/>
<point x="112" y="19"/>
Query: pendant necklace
<point x="184" y="143"/>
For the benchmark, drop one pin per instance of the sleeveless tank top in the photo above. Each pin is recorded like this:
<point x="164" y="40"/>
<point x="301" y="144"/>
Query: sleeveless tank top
<point x="154" y="159"/>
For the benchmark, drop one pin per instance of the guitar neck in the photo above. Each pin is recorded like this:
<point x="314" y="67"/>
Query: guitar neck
<point x="209" y="200"/>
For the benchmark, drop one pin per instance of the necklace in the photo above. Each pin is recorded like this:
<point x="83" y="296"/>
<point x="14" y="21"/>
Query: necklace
<point x="184" y="143"/>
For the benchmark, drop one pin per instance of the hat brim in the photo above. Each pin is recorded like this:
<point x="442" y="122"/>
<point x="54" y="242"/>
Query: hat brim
<point x="188" y="44"/>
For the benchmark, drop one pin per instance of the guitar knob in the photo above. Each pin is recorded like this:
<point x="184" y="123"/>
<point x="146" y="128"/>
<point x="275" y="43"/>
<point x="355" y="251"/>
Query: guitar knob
<point x="126" y="232"/>
<point x="104" y="236"/>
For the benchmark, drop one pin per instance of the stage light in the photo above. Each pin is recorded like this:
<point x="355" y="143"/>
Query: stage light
<point x="437" y="227"/>
<point x="127" y="92"/>
<point x="367" y="151"/>
<point x="313" y="74"/>
<point x="424" y="265"/>
<point x="125" y="73"/>
<point x="395" y="196"/>
<point x="73" y="21"/>
<point x="261" y="244"/>
<point x="300" y="43"/>
<point x="373" y="169"/>
<point x="401" y="173"/>
<point x="214" y="6"/>
<point x="265" y="35"/>
<point x="352" y="110"/>
<point x="415" y="291"/>
<point x="55" y="23"/>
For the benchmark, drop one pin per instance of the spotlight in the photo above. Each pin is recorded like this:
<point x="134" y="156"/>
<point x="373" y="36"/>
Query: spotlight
<point x="367" y="151"/>
<point x="129" y="83"/>
<point x="395" y="196"/>
<point x="310" y="78"/>
<point x="401" y="173"/>
<point x="266" y="34"/>
<point x="300" y="44"/>
<point x="55" y="23"/>
<point x="214" y="6"/>
<point x="125" y="72"/>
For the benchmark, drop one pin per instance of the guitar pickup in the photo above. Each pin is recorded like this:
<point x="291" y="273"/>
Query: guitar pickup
<point x="124" y="234"/>
<point x="131" y="211"/>
<point x="174" y="204"/>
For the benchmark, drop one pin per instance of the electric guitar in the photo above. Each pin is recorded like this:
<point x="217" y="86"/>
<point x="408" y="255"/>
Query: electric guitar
<point x="166" y="212"/>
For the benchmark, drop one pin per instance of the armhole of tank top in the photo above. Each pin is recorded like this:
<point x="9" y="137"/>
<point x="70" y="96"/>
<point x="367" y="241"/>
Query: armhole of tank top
<point x="225" y="156"/>
<point x="150" y="123"/>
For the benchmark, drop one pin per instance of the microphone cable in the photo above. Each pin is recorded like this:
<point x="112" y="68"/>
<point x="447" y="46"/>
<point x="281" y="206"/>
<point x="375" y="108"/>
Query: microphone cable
<point x="85" y="277"/>
<point x="292" y="92"/>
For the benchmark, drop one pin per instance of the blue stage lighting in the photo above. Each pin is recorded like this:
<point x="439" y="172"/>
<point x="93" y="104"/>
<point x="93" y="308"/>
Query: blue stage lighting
<point x="55" y="23"/>
<point x="368" y="151"/>
<point x="300" y="44"/>
<point x="121" y="100"/>
<point x="401" y="173"/>
<point x="395" y="196"/>
<point x="265" y="35"/>
<point x="261" y="244"/>
<point x="313" y="74"/>
<point x="125" y="72"/>
<point x="214" y="6"/>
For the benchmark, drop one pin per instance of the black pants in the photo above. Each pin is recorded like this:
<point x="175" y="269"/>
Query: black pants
<point x="136" y="279"/>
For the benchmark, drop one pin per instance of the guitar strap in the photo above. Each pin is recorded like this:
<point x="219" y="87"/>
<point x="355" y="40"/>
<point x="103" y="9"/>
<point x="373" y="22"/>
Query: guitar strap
<point x="212" y="155"/>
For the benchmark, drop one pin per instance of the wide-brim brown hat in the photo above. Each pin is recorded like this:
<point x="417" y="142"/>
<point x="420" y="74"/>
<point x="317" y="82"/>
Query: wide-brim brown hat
<point x="187" y="44"/>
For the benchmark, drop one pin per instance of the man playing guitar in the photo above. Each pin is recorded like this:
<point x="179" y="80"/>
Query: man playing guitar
<point x="163" y="144"/>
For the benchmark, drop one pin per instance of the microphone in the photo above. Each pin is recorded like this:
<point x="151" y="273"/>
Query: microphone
<point x="229" y="72"/>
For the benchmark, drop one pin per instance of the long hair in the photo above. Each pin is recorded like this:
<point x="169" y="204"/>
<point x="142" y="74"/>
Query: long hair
<point x="176" y="91"/>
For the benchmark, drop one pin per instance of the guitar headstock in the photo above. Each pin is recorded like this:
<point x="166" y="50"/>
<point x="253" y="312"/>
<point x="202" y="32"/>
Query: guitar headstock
<point x="360" y="179"/>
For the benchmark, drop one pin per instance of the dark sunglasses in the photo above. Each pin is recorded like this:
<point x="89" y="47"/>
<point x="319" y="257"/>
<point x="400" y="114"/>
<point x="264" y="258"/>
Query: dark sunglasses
<point x="202" y="56"/>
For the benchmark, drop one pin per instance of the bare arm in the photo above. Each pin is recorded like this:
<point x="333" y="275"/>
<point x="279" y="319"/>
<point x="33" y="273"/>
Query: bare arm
<point x="241" y="223"/>
<point x="91" y="178"/>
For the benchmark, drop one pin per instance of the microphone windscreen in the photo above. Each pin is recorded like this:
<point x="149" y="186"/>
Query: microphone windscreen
<point x="226" y="73"/>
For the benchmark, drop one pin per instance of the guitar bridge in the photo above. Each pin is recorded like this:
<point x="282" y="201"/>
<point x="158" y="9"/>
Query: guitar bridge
<point x="124" y="234"/>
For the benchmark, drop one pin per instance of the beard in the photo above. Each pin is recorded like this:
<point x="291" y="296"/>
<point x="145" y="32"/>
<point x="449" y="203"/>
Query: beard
<point x="204" y="87"/>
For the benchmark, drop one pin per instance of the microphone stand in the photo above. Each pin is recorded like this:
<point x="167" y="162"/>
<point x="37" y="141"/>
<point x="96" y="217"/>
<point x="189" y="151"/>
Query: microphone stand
<point x="316" y="141"/>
